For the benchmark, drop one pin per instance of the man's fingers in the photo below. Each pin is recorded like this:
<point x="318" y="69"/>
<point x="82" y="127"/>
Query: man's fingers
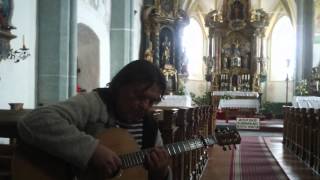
<point x="155" y="157"/>
<point x="149" y="161"/>
<point x="117" y="161"/>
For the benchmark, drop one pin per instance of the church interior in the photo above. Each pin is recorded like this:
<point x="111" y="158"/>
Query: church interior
<point x="242" y="76"/>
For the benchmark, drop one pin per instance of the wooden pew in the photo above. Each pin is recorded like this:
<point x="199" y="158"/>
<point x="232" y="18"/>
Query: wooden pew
<point x="307" y="140"/>
<point x="184" y="124"/>
<point x="189" y="135"/>
<point x="316" y="141"/>
<point x="300" y="132"/>
<point x="181" y="122"/>
<point x="286" y="110"/>
<point x="8" y="129"/>
<point x="168" y="130"/>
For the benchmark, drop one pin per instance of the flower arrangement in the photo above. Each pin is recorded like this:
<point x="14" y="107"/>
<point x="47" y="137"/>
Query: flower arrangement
<point x="302" y="88"/>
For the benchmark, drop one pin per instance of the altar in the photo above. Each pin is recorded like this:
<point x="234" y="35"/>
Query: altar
<point x="236" y="103"/>
<point x="236" y="61"/>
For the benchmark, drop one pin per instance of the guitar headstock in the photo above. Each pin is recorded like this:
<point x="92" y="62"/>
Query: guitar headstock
<point x="227" y="136"/>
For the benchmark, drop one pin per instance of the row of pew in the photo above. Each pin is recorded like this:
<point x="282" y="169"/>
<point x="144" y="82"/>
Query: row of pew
<point x="8" y="131"/>
<point x="178" y="125"/>
<point x="301" y="134"/>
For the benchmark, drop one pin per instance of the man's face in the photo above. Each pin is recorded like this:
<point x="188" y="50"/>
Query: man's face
<point x="134" y="100"/>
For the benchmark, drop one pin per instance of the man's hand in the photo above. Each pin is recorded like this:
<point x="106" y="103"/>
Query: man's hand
<point x="157" y="162"/>
<point x="105" y="162"/>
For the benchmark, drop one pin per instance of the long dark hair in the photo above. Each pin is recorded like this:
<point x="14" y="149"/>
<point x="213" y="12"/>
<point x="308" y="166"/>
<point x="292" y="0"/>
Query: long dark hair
<point x="138" y="71"/>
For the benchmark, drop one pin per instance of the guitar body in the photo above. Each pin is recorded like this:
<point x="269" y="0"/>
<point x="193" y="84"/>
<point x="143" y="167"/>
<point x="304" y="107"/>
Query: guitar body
<point x="31" y="164"/>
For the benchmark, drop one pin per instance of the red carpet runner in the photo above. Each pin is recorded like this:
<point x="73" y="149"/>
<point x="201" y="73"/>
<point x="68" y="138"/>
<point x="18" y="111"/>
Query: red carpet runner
<point x="253" y="161"/>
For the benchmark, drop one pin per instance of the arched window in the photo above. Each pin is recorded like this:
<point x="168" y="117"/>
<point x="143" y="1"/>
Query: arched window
<point x="283" y="45"/>
<point x="193" y="47"/>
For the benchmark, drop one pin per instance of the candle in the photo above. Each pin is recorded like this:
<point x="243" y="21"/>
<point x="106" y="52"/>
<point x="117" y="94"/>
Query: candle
<point x="23" y="42"/>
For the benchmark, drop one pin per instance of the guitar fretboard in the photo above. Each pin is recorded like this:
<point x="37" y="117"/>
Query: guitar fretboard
<point x="137" y="158"/>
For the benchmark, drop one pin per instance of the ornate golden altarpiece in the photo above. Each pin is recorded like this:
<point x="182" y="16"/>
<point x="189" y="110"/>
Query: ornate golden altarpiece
<point x="236" y="61"/>
<point x="163" y="23"/>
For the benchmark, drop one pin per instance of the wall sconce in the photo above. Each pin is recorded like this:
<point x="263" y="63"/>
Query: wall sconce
<point x="19" y="54"/>
<point x="6" y="53"/>
<point x="15" y="55"/>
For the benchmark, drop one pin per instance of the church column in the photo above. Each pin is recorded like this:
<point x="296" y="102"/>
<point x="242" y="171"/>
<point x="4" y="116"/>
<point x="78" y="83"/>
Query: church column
<point x="305" y="14"/>
<point x="73" y="49"/>
<point x="54" y="50"/>
<point x="217" y="50"/>
<point x="211" y="53"/>
<point x="120" y="34"/>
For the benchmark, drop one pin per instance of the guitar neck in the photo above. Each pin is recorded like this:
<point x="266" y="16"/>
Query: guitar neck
<point x="137" y="158"/>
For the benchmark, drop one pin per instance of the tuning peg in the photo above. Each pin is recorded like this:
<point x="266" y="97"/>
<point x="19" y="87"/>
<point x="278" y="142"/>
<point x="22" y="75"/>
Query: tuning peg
<point x="234" y="146"/>
<point x="229" y="147"/>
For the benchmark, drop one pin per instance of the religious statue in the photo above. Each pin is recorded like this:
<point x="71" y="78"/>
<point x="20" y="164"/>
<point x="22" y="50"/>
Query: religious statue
<point x="148" y="54"/>
<point x="237" y="11"/>
<point x="225" y="63"/>
<point x="235" y="55"/>
<point x="245" y="61"/>
<point x="166" y="45"/>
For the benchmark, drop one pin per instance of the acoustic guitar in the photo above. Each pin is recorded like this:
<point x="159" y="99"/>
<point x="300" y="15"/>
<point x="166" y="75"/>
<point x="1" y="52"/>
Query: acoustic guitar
<point x="29" y="164"/>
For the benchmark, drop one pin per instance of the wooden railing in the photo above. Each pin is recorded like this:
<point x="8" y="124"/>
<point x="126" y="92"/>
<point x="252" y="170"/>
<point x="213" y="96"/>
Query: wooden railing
<point x="301" y="134"/>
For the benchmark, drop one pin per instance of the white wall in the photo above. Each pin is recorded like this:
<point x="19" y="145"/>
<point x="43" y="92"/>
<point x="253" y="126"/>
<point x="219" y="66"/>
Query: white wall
<point x="198" y="87"/>
<point x="99" y="21"/>
<point x="136" y="28"/>
<point x="17" y="82"/>
<point x="276" y="91"/>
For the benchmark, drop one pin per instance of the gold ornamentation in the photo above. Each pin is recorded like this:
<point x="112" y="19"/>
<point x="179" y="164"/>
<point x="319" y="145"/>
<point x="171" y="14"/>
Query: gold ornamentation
<point x="168" y="70"/>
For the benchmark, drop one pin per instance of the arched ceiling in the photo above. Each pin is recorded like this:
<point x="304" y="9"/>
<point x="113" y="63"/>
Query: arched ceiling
<point x="274" y="8"/>
<point x="208" y="5"/>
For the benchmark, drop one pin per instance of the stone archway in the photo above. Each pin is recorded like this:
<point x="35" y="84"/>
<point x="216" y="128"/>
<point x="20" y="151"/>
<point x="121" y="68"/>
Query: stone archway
<point x="88" y="58"/>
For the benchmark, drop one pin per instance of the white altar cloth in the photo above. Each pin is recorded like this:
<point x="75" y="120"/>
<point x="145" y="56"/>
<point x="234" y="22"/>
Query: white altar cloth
<point x="239" y="103"/>
<point x="306" y="102"/>
<point x="175" y="101"/>
<point x="235" y="93"/>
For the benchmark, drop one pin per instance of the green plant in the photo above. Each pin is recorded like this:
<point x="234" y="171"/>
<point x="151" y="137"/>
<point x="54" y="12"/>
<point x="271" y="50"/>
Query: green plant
<point x="272" y="109"/>
<point x="302" y="88"/>
<point x="204" y="99"/>
<point x="263" y="78"/>
<point x="181" y="90"/>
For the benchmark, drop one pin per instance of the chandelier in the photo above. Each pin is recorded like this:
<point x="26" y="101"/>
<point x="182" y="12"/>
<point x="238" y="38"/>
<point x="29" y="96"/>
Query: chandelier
<point x="17" y="55"/>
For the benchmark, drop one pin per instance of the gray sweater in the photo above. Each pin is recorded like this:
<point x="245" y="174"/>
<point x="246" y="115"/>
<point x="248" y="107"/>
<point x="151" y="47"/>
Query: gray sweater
<point x="66" y="129"/>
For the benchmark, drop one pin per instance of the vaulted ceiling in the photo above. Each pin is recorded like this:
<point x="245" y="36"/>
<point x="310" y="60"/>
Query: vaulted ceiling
<point x="274" y="8"/>
<point x="207" y="5"/>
